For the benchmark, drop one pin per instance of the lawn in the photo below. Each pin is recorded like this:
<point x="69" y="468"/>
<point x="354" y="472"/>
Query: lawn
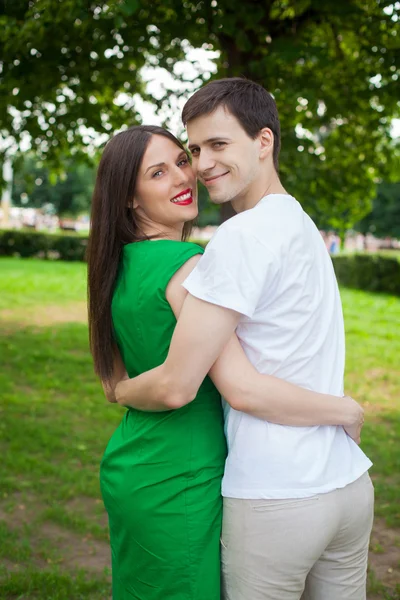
<point x="55" y="423"/>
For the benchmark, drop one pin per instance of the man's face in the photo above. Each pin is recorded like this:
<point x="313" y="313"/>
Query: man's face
<point x="225" y="159"/>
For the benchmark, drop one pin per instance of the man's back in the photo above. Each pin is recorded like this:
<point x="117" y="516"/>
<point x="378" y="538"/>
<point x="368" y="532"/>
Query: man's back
<point x="270" y="264"/>
<point x="296" y="332"/>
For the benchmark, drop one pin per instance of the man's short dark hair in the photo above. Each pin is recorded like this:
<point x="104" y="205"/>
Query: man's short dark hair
<point x="246" y="100"/>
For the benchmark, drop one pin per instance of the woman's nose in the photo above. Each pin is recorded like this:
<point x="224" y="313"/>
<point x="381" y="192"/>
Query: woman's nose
<point x="182" y="175"/>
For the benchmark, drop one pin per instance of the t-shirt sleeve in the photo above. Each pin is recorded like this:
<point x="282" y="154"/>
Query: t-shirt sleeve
<point x="233" y="271"/>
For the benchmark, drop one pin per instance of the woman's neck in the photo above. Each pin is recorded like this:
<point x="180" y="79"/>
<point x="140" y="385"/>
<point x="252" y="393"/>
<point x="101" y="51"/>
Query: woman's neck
<point x="157" y="231"/>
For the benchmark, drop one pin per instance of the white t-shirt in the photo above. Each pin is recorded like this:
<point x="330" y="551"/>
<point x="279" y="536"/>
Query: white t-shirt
<point x="271" y="265"/>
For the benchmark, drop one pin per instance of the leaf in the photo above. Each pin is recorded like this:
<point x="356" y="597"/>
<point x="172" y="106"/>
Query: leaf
<point x="129" y="7"/>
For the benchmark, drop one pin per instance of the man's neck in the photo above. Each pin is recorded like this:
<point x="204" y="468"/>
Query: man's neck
<point x="256" y="192"/>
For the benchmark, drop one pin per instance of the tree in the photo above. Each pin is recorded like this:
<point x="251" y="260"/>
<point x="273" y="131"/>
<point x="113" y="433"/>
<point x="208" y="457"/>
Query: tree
<point x="332" y="67"/>
<point x="35" y="187"/>
<point x="384" y="219"/>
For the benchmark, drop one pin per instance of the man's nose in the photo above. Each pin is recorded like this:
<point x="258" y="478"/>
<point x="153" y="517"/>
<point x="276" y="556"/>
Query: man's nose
<point x="204" y="162"/>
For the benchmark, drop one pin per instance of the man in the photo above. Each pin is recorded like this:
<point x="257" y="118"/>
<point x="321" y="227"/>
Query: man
<point x="298" y="502"/>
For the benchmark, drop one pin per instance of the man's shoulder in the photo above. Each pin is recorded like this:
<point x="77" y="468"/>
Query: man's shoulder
<point x="262" y="222"/>
<point x="239" y="229"/>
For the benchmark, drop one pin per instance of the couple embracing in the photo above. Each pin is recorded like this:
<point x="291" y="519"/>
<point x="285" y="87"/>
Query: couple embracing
<point x="270" y="483"/>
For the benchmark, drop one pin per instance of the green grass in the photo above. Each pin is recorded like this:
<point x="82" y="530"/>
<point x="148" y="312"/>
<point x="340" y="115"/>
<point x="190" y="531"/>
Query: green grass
<point x="373" y="376"/>
<point x="55" y="423"/>
<point x="55" y="585"/>
<point x="31" y="282"/>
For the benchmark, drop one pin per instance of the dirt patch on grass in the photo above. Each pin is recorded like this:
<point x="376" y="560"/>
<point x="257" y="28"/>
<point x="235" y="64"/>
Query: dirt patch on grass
<point x="384" y="557"/>
<point x="377" y="373"/>
<point x="74" y="312"/>
<point x="51" y="543"/>
<point x="91" y="509"/>
<point x="74" y="551"/>
<point x="19" y="510"/>
<point x="10" y="566"/>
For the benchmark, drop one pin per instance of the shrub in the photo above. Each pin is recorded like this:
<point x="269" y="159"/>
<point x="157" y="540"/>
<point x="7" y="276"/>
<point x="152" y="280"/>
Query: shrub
<point x="370" y="272"/>
<point x="28" y="244"/>
<point x="23" y="243"/>
<point x="70" y="247"/>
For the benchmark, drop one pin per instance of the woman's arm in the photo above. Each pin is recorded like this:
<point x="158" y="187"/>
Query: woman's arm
<point x="265" y="396"/>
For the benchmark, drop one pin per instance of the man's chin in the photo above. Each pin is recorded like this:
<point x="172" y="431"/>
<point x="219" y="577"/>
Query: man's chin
<point x="219" y="199"/>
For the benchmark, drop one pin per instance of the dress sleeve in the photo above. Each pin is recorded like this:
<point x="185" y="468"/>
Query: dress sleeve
<point x="234" y="271"/>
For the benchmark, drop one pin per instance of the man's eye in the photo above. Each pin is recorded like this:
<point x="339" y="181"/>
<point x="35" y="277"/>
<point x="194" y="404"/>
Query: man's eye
<point x="195" y="151"/>
<point x="218" y="144"/>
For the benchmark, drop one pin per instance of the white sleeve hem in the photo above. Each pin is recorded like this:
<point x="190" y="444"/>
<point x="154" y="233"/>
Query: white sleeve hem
<point x="228" y="302"/>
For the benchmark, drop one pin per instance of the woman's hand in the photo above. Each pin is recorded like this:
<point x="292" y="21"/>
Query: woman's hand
<point x="119" y="389"/>
<point x="119" y="374"/>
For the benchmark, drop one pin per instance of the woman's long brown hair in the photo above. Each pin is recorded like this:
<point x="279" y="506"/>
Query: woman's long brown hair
<point x="112" y="226"/>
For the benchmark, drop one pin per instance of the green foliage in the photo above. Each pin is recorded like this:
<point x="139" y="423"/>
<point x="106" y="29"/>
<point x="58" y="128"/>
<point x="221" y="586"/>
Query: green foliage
<point x="209" y="213"/>
<point x="69" y="195"/>
<point x="371" y="272"/>
<point x="202" y="243"/>
<point x="384" y="219"/>
<point x="68" y="247"/>
<point x="332" y="67"/>
<point x="59" y="75"/>
<point x="27" y="244"/>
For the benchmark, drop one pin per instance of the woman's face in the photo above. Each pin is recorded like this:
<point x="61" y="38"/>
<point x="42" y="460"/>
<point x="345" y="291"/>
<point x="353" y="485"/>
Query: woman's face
<point x="166" y="190"/>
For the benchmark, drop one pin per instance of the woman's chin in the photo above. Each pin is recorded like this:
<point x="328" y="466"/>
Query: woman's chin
<point x="191" y="215"/>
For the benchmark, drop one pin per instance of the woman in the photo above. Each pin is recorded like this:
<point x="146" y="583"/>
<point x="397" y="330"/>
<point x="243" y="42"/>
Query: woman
<point x="161" y="472"/>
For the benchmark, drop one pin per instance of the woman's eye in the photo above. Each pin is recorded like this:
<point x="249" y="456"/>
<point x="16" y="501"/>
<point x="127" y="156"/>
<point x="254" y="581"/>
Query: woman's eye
<point x="184" y="161"/>
<point x="157" y="174"/>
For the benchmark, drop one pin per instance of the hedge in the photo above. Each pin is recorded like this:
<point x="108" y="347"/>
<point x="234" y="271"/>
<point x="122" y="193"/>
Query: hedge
<point x="371" y="272"/>
<point x="28" y="244"/>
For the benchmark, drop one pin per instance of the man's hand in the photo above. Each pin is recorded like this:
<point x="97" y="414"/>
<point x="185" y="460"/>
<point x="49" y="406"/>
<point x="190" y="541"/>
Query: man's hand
<point x="356" y="420"/>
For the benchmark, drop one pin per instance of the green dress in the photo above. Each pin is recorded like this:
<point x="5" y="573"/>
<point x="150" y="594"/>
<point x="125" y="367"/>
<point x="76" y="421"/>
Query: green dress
<point x="161" y="472"/>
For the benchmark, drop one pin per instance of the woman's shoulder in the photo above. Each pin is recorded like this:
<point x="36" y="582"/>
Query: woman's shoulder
<point x="191" y="247"/>
<point x="163" y="248"/>
<point x="162" y="256"/>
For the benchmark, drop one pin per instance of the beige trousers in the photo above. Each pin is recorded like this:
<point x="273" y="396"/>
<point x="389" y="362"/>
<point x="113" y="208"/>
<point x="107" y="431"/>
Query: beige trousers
<point x="309" y="548"/>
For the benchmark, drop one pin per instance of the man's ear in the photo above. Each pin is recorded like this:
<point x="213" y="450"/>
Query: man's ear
<point x="266" y="139"/>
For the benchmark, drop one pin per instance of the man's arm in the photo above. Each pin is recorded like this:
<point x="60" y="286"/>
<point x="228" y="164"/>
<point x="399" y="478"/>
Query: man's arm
<point x="278" y="401"/>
